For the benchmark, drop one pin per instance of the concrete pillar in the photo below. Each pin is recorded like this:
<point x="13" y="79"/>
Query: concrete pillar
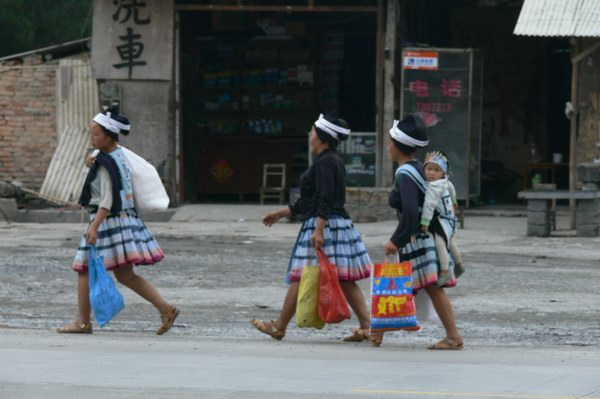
<point x="149" y="105"/>
<point x="538" y="218"/>
<point x="588" y="218"/>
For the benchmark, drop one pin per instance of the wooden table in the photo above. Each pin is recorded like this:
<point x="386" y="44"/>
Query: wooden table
<point x="546" y="166"/>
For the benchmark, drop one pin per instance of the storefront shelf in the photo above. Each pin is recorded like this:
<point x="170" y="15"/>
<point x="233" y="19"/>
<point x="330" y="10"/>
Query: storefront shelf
<point x="291" y="110"/>
<point x="252" y="137"/>
<point x="263" y="87"/>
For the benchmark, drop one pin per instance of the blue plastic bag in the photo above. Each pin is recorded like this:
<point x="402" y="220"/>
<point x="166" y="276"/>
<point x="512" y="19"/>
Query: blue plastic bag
<point x="105" y="298"/>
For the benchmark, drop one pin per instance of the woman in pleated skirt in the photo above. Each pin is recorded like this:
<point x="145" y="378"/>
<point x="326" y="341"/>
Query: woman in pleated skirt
<point x="408" y="241"/>
<point x="326" y="225"/>
<point x="120" y="236"/>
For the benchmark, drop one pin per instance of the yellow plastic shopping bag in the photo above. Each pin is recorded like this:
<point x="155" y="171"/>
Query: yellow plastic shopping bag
<point x="307" y="307"/>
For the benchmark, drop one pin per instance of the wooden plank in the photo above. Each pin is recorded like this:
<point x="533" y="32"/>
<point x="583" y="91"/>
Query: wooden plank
<point x="573" y="128"/>
<point x="179" y="134"/>
<point x="558" y="194"/>
<point x="585" y="53"/>
<point x="266" y="8"/>
<point x="386" y="175"/>
<point x="470" y="125"/>
<point x="379" y="89"/>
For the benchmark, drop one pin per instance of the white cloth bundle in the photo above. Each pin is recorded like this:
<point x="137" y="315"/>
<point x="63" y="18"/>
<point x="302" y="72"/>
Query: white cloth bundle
<point x="149" y="194"/>
<point x="425" y="309"/>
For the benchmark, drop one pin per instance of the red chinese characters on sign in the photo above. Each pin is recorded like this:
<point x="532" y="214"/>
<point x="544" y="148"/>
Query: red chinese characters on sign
<point x="433" y="107"/>
<point x="442" y="96"/>
<point x="451" y="88"/>
<point x="419" y="87"/>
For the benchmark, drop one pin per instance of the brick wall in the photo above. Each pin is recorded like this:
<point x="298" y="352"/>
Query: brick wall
<point x="27" y="120"/>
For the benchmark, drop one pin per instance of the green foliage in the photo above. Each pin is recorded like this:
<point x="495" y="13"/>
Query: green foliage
<point x="29" y="24"/>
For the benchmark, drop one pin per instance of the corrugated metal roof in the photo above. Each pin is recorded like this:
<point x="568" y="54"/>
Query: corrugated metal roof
<point x="589" y="23"/>
<point x="78" y="103"/>
<point x="571" y="18"/>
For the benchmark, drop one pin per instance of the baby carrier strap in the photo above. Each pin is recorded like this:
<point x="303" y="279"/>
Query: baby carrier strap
<point x="412" y="172"/>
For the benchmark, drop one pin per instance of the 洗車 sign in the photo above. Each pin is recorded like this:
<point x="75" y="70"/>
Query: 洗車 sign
<point x="132" y="39"/>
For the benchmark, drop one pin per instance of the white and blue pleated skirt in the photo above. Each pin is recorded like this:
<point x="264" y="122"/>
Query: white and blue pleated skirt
<point x="342" y="245"/>
<point x="421" y="252"/>
<point x="123" y="240"/>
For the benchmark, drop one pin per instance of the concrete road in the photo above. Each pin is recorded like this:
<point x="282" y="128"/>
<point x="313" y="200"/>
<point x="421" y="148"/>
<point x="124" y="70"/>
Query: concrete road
<point x="118" y="365"/>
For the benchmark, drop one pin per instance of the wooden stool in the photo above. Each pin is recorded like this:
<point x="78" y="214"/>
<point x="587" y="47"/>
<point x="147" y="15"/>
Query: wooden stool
<point x="270" y="189"/>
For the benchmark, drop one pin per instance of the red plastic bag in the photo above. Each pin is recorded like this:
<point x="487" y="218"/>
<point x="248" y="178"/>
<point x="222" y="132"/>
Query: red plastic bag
<point x="333" y="307"/>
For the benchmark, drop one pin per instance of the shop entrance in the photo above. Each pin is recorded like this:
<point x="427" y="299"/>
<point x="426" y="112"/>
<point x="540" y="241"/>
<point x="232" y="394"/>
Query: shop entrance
<point x="252" y="84"/>
<point x="526" y="84"/>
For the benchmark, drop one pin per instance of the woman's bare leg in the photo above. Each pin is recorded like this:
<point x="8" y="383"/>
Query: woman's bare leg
<point x="141" y="286"/>
<point x="443" y="307"/>
<point x="83" y="323"/>
<point x="289" y="307"/>
<point x="83" y="297"/>
<point x="357" y="302"/>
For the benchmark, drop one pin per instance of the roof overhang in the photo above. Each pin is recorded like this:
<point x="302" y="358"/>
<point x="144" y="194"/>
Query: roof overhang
<point x="559" y="18"/>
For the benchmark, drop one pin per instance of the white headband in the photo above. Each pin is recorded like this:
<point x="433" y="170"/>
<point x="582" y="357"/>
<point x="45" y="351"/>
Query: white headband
<point x="404" y="138"/>
<point x="110" y="124"/>
<point x="330" y="128"/>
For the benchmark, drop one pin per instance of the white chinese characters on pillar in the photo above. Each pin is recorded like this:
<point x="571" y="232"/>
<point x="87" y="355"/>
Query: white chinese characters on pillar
<point x="132" y="39"/>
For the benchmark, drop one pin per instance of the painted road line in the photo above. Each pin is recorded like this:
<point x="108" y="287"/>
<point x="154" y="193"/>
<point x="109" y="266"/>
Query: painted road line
<point x="453" y="394"/>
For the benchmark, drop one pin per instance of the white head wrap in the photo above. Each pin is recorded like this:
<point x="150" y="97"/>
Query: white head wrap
<point x="330" y="128"/>
<point x="404" y="138"/>
<point x="110" y="124"/>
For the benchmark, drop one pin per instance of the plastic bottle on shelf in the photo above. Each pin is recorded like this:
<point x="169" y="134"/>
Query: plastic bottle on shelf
<point x="535" y="154"/>
<point x="536" y="179"/>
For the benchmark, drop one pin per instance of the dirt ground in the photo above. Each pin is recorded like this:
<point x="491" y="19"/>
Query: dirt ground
<point x="517" y="291"/>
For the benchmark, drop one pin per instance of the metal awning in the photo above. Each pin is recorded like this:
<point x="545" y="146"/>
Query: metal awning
<point x="570" y="18"/>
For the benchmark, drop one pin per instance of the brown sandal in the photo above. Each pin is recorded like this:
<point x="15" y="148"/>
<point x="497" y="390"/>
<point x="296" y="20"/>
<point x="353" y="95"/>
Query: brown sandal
<point x="358" y="335"/>
<point x="448" y="344"/>
<point x="168" y="318"/>
<point x="375" y="339"/>
<point x="75" y="328"/>
<point x="270" y="330"/>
